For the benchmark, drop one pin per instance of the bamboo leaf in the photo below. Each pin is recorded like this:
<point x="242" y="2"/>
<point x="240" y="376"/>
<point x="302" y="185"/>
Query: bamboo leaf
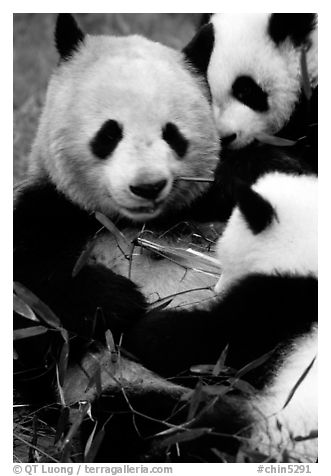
<point x="29" y="332"/>
<point x="274" y="140"/>
<point x="196" y="398"/>
<point x="91" y="452"/>
<point x="34" y="440"/>
<point x="111" y="346"/>
<point x="110" y="341"/>
<point x="254" y="364"/>
<point x="89" y="441"/>
<point x="223" y="457"/>
<point x="83" y="259"/>
<point x="197" y="179"/>
<point x="217" y="390"/>
<point x="220" y="364"/>
<point x="160" y="304"/>
<point x="80" y="415"/>
<point x="59" y="387"/>
<point x="182" y="437"/>
<point x="63" y="362"/>
<point x="107" y="223"/>
<point x="65" y="335"/>
<point x="242" y="385"/>
<point x="23" y="309"/>
<point x="39" y="307"/>
<point x="203" y="369"/>
<point x="298" y="383"/>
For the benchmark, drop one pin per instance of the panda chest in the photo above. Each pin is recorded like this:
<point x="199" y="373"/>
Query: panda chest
<point x="171" y="265"/>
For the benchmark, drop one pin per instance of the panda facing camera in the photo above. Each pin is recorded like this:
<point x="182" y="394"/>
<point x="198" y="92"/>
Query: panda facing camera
<point x="123" y="120"/>
<point x="115" y="133"/>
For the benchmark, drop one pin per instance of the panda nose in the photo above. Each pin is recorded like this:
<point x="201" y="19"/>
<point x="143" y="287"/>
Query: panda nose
<point x="148" y="190"/>
<point x="226" y="140"/>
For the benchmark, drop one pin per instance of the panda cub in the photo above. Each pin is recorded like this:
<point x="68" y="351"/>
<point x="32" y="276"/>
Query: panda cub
<point x="252" y="63"/>
<point x="263" y="399"/>
<point x="123" y="120"/>
<point x="268" y="256"/>
<point x="265" y="116"/>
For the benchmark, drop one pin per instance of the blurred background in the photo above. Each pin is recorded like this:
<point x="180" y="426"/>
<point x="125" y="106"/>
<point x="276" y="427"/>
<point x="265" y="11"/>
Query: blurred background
<point x="35" y="57"/>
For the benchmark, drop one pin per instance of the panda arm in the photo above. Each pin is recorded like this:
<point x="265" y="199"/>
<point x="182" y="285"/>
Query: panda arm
<point x="50" y="233"/>
<point x="258" y="314"/>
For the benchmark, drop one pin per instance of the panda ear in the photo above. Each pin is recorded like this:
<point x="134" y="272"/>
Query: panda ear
<point x="68" y="35"/>
<point x="199" y="50"/>
<point x="296" y="26"/>
<point x="256" y="210"/>
<point x="205" y="17"/>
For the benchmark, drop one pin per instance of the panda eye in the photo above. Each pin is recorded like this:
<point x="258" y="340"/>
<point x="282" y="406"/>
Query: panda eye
<point x="247" y="91"/>
<point x="175" y="139"/>
<point x="106" y="139"/>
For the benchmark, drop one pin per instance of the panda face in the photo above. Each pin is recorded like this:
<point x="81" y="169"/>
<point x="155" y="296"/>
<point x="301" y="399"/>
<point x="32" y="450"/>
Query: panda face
<point x="254" y="73"/>
<point x="273" y="229"/>
<point x="142" y="186"/>
<point x="124" y="119"/>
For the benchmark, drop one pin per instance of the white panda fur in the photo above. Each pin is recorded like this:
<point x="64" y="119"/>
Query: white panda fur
<point x="241" y="45"/>
<point x="268" y="421"/>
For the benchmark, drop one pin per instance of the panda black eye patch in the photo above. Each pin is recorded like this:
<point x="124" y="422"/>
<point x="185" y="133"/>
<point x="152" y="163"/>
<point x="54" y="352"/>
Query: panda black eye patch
<point x="175" y="139"/>
<point x="247" y="91"/>
<point x="106" y="139"/>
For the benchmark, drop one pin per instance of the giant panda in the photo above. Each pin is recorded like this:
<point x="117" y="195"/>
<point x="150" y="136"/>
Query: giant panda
<point x="253" y="66"/>
<point x="256" y="400"/>
<point x="264" y="97"/>
<point x="123" y="120"/>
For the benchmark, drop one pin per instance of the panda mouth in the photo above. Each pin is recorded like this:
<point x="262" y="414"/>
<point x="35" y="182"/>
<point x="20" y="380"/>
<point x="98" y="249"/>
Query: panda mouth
<point x="147" y="209"/>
